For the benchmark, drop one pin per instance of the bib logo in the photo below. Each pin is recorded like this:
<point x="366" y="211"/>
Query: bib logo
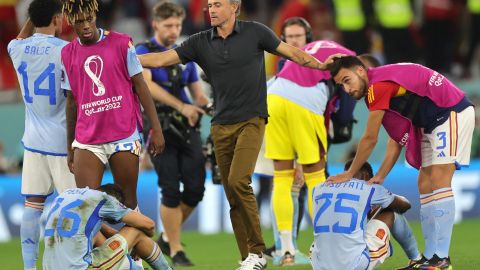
<point x="96" y="62"/>
<point x="436" y="79"/>
<point x="404" y="140"/>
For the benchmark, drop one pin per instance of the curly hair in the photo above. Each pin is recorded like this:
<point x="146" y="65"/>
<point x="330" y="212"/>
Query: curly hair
<point x="73" y="8"/>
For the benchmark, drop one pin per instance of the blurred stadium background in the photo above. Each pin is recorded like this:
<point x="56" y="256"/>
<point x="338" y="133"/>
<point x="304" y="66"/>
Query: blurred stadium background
<point x="442" y="34"/>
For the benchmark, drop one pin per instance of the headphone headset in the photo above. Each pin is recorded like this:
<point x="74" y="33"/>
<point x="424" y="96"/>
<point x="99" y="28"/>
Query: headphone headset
<point x="298" y="21"/>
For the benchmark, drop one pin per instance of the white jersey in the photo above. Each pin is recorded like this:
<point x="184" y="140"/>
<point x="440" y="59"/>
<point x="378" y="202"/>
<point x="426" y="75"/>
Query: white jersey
<point x="37" y="62"/>
<point x="340" y="212"/>
<point x="76" y="216"/>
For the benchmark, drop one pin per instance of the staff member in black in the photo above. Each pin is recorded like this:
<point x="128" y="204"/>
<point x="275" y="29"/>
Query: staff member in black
<point x="232" y="55"/>
<point x="182" y="160"/>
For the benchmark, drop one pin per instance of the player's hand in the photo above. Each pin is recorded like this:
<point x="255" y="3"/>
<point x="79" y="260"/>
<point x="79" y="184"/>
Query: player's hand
<point x="157" y="142"/>
<point x="70" y="160"/>
<point x="340" y="178"/>
<point x="298" y="178"/>
<point x="330" y="60"/>
<point x="192" y="113"/>
<point x="376" y="180"/>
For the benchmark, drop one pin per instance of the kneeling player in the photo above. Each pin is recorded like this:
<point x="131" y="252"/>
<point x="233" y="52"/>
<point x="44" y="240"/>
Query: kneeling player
<point x="76" y="218"/>
<point x="344" y="238"/>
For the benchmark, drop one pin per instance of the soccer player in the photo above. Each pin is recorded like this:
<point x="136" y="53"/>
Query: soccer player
<point x="105" y="83"/>
<point x="296" y="103"/>
<point x="183" y="160"/>
<point x="76" y="218"/>
<point x="37" y="62"/>
<point x="343" y="237"/>
<point x="423" y="111"/>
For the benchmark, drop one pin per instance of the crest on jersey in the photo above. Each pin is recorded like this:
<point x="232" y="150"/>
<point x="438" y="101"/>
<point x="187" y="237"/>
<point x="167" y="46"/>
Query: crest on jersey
<point x="94" y="67"/>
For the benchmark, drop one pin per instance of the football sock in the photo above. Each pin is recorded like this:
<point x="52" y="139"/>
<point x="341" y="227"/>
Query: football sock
<point x="313" y="179"/>
<point x="30" y="233"/>
<point x="402" y="232"/>
<point x="429" y="227"/>
<point x="157" y="260"/>
<point x="445" y="216"/>
<point x="282" y="199"/>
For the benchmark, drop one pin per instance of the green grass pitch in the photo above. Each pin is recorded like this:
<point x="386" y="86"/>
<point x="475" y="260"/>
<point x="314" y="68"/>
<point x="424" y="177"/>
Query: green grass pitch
<point x="219" y="251"/>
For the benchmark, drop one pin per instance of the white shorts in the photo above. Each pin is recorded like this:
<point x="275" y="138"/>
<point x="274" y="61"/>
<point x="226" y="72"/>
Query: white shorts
<point x="264" y="166"/>
<point x="112" y="254"/>
<point x="42" y="173"/>
<point x="451" y="142"/>
<point x="377" y="236"/>
<point x="105" y="151"/>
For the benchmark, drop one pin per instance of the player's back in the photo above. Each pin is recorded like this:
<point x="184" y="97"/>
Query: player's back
<point x="340" y="212"/>
<point x="37" y="62"/>
<point x="72" y="222"/>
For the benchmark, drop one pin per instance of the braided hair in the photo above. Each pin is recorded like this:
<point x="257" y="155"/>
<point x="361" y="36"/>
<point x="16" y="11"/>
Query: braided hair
<point x="73" y="8"/>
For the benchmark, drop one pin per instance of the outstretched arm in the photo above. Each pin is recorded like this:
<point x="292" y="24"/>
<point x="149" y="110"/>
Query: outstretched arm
<point x="365" y="147"/>
<point x="27" y="30"/>
<point x="302" y="58"/>
<point x="391" y="156"/>
<point x="160" y="59"/>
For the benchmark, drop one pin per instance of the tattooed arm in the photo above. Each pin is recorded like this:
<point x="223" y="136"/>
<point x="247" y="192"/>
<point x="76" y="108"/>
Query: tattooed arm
<point x="302" y="58"/>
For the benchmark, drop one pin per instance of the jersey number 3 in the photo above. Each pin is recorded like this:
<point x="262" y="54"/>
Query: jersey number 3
<point x="49" y="74"/>
<point x="68" y="221"/>
<point x="340" y="209"/>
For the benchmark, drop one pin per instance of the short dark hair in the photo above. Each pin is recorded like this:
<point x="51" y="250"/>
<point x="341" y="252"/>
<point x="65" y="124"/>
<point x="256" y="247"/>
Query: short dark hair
<point x="347" y="62"/>
<point x="41" y="12"/>
<point x="113" y="190"/>
<point x="369" y="60"/>
<point x="366" y="168"/>
<point x="165" y="10"/>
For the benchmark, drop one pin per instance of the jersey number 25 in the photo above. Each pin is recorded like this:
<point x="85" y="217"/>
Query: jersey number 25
<point x="339" y="209"/>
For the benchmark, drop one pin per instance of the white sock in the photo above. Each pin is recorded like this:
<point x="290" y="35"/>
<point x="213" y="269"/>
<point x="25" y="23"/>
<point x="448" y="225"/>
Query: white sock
<point x="287" y="243"/>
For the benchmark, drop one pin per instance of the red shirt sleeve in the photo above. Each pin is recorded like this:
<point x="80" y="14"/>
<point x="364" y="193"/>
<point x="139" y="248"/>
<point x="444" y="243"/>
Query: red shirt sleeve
<point x="379" y="95"/>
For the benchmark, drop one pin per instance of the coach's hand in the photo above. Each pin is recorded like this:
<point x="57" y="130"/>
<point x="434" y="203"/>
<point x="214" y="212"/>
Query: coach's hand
<point x="70" y="160"/>
<point x="340" y="178"/>
<point x="157" y="142"/>
<point x="376" y="180"/>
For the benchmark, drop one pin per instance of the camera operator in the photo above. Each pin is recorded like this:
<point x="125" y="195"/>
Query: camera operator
<point x="183" y="159"/>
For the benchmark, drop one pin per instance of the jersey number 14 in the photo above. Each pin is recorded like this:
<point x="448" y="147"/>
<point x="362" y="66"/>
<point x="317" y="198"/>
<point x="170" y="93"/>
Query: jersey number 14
<point x="48" y="73"/>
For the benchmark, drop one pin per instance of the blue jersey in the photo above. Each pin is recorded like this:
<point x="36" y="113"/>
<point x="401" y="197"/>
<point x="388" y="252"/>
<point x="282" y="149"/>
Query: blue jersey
<point x="37" y="62"/>
<point x="161" y="77"/>
<point x="340" y="212"/>
<point x="76" y="216"/>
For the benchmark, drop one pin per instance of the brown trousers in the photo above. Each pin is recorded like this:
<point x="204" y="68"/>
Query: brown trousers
<point x="236" y="150"/>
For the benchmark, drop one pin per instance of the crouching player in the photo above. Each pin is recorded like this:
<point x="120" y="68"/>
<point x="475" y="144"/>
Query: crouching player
<point x="72" y="228"/>
<point x="344" y="238"/>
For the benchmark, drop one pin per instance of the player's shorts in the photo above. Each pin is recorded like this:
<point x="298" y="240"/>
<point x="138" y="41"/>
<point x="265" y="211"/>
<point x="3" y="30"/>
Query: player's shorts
<point x="293" y="131"/>
<point x="105" y="151"/>
<point x="264" y="166"/>
<point x="42" y="173"/>
<point x="112" y="254"/>
<point x="451" y="142"/>
<point x="377" y="236"/>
